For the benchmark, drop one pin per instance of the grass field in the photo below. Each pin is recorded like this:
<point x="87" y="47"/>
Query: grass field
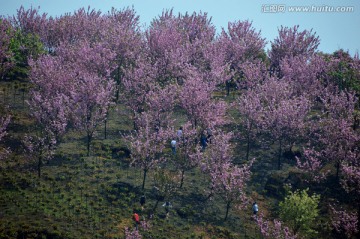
<point x="93" y="197"/>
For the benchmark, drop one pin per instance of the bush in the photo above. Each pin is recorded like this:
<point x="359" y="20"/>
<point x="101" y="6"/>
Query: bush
<point x="299" y="211"/>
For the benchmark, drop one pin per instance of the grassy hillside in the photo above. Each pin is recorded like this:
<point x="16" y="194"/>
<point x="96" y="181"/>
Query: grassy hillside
<point x="94" y="197"/>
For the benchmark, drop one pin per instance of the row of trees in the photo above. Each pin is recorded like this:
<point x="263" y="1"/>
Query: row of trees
<point x="81" y="64"/>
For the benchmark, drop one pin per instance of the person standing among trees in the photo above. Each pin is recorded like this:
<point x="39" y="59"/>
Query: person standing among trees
<point x="142" y="201"/>
<point x="209" y="135"/>
<point x="179" y="132"/>
<point x="136" y="219"/>
<point x="203" y="140"/>
<point x="255" y="208"/>
<point x="173" y="146"/>
<point x="167" y="205"/>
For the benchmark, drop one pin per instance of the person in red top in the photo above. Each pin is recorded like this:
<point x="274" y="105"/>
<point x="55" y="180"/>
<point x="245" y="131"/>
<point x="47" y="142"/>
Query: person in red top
<point x="136" y="219"/>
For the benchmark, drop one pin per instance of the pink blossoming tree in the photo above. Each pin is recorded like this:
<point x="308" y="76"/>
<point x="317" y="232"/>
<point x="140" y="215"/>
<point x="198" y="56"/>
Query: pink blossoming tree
<point x="227" y="180"/>
<point x="292" y="42"/>
<point x="147" y="145"/>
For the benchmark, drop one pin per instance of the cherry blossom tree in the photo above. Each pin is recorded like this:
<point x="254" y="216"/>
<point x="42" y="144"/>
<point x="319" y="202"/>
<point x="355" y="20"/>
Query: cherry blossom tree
<point x="217" y="154"/>
<point x="214" y="158"/>
<point x="147" y="145"/>
<point x="160" y="103"/>
<point x="250" y="109"/>
<point x="229" y="183"/>
<point x="227" y="180"/>
<point x="188" y="155"/>
<point x="123" y="36"/>
<point x="334" y="137"/>
<point x="138" y="81"/>
<point x="50" y="104"/>
<point x="75" y="84"/>
<point x="41" y="147"/>
<point x="345" y="222"/>
<point x="132" y="234"/>
<point x="305" y="74"/>
<point x="335" y="142"/>
<point x="94" y="89"/>
<point x="166" y="183"/>
<point x="241" y="44"/>
<point x="30" y="21"/>
<point x="283" y="113"/>
<point x="49" y="101"/>
<point x="196" y="98"/>
<point x="165" y="47"/>
<point x="91" y="107"/>
<point x="292" y="42"/>
<point x="177" y="43"/>
<point x="247" y="43"/>
<point x="273" y="229"/>
<point x="81" y="25"/>
<point x="252" y="73"/>
<point x="198" y="48"/>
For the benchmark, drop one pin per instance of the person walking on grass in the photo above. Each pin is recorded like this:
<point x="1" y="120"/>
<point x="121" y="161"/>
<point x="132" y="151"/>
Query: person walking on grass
<point x="136" y="219"/>
<point x="255" y="208"/>
<point x="209" y="135"/>
<point x="179" y="133"/>
<point x="173" y="146"/>
<point x="167" y="205"/>
<point x="203" y="140"/>
<point x="142" y="201"/>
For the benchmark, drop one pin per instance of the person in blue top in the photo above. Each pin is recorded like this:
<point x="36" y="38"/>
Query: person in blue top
<point x="203" y="140"/>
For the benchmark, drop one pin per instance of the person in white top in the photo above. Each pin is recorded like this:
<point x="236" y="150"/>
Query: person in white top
<point x="173" y="146"/>
<point x="179" y="133"/>
<point x="255" y="208"/>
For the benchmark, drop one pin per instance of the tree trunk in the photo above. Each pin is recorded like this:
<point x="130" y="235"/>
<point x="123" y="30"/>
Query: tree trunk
<point x="210" y="195"/>
<point x="89" y="138"/>
<point x="105" y="123"/>
<point x="143" y="184"/>
<point x="356" y="122"/>
<point x="4" y="91"/>
<point x="117" y="93"/>
<point x="248" y="147"/>
<point x="134" y="121"/>
<point x="155" y="206"/>
<point x="280" y="152"/>
<point x="248" y="142"/>
<point x="152" y="212"/>
<point x="291" y="148"/>
<point x="337" y="171"/>
<point x="227" y="210"/>
<point x="358" y="222"/>
<point x="182" y="178"/>
<point x="227" y="84"/>
<point x="39" y="166"/>
<point x="14" y="93"/>
<point x="23" y="97"/>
